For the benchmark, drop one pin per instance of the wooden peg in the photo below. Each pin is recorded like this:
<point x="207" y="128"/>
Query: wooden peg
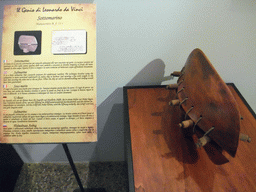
<point x="202" y="141"/>
<point x="172" y="86"/>
<point x="176" y="73"/>
<point x="174" y="102"/>
<point x="186" y="124"/>
<point x="244" y="137"/>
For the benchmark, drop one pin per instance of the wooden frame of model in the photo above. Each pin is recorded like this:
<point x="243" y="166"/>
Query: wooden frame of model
<point x="210" y="109"/>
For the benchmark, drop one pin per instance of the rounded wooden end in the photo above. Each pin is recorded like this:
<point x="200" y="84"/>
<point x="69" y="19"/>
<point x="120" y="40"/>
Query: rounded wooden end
<point x="244" y="137"/>
<point x="176" y="73"/>
<point x="172" y="86"/>
<point x="202" y="141"/>
<point x="174" y="102"/>
<point x="186" y="124"/>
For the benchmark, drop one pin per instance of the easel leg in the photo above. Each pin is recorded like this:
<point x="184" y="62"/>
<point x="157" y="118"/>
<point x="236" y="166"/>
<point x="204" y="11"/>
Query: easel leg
<point x="73" y="166"/>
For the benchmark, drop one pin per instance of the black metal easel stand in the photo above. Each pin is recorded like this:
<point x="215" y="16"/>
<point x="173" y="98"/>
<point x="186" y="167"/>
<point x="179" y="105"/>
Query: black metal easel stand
<point x="81" y="188"/>
<point x="73" y="168"/>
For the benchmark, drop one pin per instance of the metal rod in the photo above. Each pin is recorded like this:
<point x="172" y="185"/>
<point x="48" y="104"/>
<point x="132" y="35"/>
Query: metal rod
<point x="188" y="112"/>
<point x="73" y="166"/>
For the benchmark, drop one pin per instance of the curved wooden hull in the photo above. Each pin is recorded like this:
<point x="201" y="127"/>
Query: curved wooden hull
<point x="207" y="100"/>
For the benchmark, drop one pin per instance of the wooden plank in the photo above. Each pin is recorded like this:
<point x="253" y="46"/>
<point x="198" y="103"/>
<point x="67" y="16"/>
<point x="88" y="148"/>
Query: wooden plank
<point x="165" y="158"/>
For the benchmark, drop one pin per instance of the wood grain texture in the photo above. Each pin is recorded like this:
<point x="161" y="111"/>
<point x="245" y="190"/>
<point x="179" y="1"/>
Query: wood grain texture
<point x="210" y="99"/>
<point x="165" y="157"/>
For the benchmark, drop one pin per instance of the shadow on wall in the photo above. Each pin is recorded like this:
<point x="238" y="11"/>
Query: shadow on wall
<point x="110" y="144"/>
<point x="151" y="74"/>
<point x="110" y="114"/>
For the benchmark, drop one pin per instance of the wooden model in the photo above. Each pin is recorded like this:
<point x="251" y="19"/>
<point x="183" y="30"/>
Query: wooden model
<point x="210" y="110"/>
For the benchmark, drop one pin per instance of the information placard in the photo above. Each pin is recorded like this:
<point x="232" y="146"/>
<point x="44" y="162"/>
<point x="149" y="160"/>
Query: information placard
<point x="48" y="74"/>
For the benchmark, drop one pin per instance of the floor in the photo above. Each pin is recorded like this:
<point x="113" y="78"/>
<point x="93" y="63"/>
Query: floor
<point x="51" y="177"/>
